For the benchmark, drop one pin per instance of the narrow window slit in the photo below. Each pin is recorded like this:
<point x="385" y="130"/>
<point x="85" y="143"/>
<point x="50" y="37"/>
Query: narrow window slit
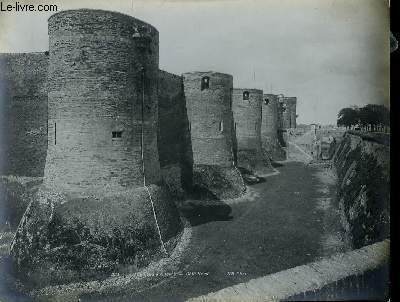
<point x="205" y="83"/>
<point x="116" y="134"/>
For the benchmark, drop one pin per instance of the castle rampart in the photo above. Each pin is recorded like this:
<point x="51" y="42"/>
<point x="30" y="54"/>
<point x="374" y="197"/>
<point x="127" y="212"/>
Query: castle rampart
<point x="208" y="98"/>
<point x="101" y="206"/>
<point x="289" y="115"/>
<point x="23" y="110"/>
<point x="102" y="89"/>
<point x="174" y="146"/>
<point x="269" y="127"/>
<point x="247" y="112"/>
<point x="210" y="117"/>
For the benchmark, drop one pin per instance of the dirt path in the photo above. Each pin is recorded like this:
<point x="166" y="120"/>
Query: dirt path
<point x="292" y="221"/>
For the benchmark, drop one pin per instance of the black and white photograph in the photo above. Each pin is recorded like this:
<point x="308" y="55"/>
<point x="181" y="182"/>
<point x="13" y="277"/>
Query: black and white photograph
<point x="209" y="150"/>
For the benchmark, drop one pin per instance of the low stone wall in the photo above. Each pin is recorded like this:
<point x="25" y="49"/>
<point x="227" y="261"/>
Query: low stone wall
<point x="363" y="168"/>
<point x="325" y="279"/>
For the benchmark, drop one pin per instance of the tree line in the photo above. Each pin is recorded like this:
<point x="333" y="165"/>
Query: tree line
<point x="368" y="118"/>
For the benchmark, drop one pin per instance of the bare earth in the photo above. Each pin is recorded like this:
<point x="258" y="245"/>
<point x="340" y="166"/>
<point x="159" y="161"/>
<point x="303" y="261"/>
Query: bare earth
<point x="289" y="220"/>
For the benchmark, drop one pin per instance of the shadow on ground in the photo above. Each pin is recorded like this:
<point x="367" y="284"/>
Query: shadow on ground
<point x="276" y="165"/>
<point x="203" y="207"/>
<point x="249" y="177"/>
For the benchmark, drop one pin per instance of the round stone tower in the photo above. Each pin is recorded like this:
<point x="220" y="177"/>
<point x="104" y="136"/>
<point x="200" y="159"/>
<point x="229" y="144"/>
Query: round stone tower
<point x="208" y="98"/>
<point x="289" y="115"/>
<point x="103" y="68"/>
<point x="293" y="112"/>
<point x="247" y="113"/>
<point x="102" y="169"/>
<point x="269" y="127"/>
<point x="281" y="129"/>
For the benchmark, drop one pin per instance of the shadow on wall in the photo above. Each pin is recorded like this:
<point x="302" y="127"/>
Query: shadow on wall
<point x="281" y="138"/>
<point x="174" y="141"/>
<point x="186" y="151"/>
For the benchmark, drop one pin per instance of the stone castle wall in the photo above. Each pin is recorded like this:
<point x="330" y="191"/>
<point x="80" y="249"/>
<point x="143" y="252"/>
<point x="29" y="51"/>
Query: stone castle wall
<point x="289" y="115"/>
<point x="173" y="134"/>
<point x="103" y="66"/>
<point x="208" y="97"/>
<point x="102" y="172"/>
<point x="269" y="127"/>
<point x="247" y="118"/>
<point x="23" y="114"/>
<point x="210" y="118"/>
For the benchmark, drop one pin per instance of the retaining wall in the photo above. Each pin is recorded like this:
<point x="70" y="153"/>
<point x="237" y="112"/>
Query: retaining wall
<point x="363" y="168"/>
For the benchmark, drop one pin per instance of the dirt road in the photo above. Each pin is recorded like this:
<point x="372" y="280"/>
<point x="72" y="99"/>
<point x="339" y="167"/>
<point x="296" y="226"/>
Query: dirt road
<point x="291" y="221"/>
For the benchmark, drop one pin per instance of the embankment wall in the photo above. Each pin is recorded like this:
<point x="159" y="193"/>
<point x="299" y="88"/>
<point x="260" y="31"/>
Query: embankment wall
<point x="362" y="163"/>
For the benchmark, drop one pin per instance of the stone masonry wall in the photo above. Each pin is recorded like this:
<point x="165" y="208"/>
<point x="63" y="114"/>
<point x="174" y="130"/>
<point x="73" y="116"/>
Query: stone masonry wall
<point x="103" y="65"/>
<point x="281" y="129"/>
<point x="210" y="117"/>
<point x="289" y="115"/>
<point x="269" y="127"/>
<point x="173" y="134"/>
<point x="247" y="117"/>
<point x="23" y="114"/>
<point x="362" y="163"/>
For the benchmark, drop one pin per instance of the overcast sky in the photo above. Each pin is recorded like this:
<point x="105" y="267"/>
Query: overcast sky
<point x="328" y="53"/>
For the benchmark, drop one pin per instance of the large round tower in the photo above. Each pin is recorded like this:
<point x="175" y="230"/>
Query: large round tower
<point x="281" y="122"/>
<point x="293" y="112"/>
<point x="269" y="127"/>
<point x="289" y="115"/>
<point x="247" y="113"/>
<point x="100" y="202"/>
<point x="209" y="108"/>
<point x="102" y="95"/>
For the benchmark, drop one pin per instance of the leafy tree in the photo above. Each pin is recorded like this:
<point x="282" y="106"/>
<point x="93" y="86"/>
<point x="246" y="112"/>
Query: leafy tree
<point x="348" y="117"/>
<point x="370" y="117"/>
